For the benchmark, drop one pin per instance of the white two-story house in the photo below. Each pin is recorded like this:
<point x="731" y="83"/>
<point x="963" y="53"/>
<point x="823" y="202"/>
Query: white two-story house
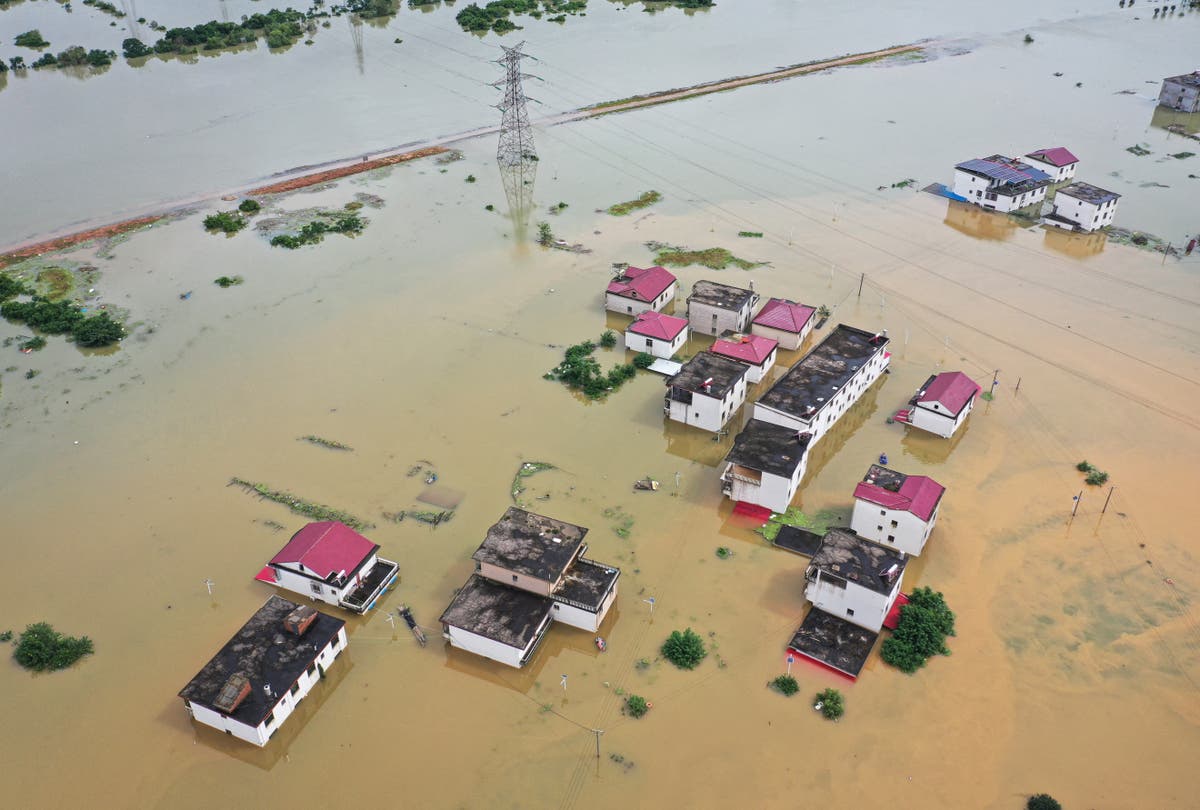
<point x="1181" y="92"/>
<point x="1082" y="207"/>
<point x="756" y="352"/>
<point x="826" y="382"/>
<point x="657" y="334"/>
<point x="854" y="579"/>
<point x="896" y="510"/>
<point x="707" y="391"/>
<point x="765" y="465"/>
<point x="1000" y="183"/>
<point x="254" y="683"/>
<point x="639" y="289"/>
<point x="529" y="572"/>
<point x="942" y="404"/>
<point x="1058" y="162"/>
<point x="715" y="308"/>
<point x="330" y="562"/>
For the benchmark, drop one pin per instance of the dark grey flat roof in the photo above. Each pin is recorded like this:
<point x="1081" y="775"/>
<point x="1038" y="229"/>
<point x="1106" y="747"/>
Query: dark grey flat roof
<point x="264" y="653"/>
<point x="1192" y="79"/>
<point x="724" y="372"/>
<point x="1088" y="193"/>
<point x="821" y="373"/>
<point x="834" y="642"/>
<point x="587" y="583"/>
<point x="798" y="540"/>
<point x="768" y="448"/>
<point x="846" y="555"/>
<point x="531" y="544"/>
<point x="507" y="615"/>
<point x="884" y="477"/>
<point x="720" y="295"/>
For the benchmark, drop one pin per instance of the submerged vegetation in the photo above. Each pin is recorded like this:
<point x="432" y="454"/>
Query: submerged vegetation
<point x="31" y="39"/>
<point x="712" y="258"/>
<point x="42" y="648"/>
<point x="432" y="518"/>
<point x="830" y="703"/>
<point x="636" y="706"/>
<point x="819" y="523"/>
<point x="313" y="232"/>
<point x="64" y="317"/>
<point x="581" y="371"/>
<point x="1094" y="476"/>
<point x="685" y="650"/>
<point x="329" y="443"/>
<point x="493" y="16"/>
<point x="75" y="56"/>
<point x="1042" y="801"/>
<point x="644" y="201"/>
<point x="529" y="468"/>
<point x="229" y="222"/>
<point x="300" y="506"/>
<point x="228" y="281"/>
<point x="925" y="623"/>
<point x="786" y="685"/>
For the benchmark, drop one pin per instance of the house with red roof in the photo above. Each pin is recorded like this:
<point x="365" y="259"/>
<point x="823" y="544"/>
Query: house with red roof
<point x="755" y="351"/>
<point x="785" y="322"/>
<point x="657" y="334"/>
<point x="330" y="562"/>
<point x="638" y="289"/>
<point x="942" y="404"/>
<point x="1058" y="162"/>
<point x="896" y="510"/>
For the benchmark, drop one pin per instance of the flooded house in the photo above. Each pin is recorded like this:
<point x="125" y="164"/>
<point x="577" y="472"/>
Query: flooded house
<point x="826" y="382"/>
<point x="1000" y="183"/>
<point x="657" y="334"/>
<point x="707" y="391"/>
<point x="896" y="510"/>
<point x="640" y="289"/>
<point x="1082" y="207"/>
<point x="756" y="352"/>
<point x="529" y="572"/>
<point x="715" y="308"/>
<point x="786" y="322"/>
<point x="254" y="683"/>
<point x="942" y="404"/>
<point x="330" y="562"/>
<point x="1058" y="162"/>
<point x="765" y="465"/>
<point x="1181" y="93"/>
<point x="854" y="579"/>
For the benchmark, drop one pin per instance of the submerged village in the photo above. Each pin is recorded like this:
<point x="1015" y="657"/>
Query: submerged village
<point x="558" y="462"/>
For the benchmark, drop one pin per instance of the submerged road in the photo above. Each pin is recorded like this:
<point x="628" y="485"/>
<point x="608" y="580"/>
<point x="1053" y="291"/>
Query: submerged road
<point x="302" y="176"/>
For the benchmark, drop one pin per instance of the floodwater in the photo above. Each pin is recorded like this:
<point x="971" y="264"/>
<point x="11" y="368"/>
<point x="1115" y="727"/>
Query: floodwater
<point x="1077" y="661"/>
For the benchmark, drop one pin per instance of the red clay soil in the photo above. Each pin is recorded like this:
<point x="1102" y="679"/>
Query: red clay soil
<point x="345" y="171"/>
<point x="77" y="238"/>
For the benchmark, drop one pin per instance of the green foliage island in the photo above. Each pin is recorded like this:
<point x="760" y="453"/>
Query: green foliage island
<point x="313" y="232"/>
<point x="646" y="200"/>
<point x="1042" y="801"/>
<point x="925" y="623"/>
<point x="636" y="705"/>
<point x="63" y="317"/>
<point x="42" y="648"/>
<point x="30" y="39"/>
<point x="581" y="371"/>
<point x="831" y="703"/>
<point x="786" y="685"/>
<point x="685" y="650"/>
<point x="494" y="16"/>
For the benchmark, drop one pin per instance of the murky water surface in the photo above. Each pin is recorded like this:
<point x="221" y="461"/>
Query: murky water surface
<point x="1077" y="661"/>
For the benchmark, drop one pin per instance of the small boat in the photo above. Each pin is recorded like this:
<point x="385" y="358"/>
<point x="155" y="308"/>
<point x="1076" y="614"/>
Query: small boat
<point x="601" y="645"/>
<point x="418" y="633"/>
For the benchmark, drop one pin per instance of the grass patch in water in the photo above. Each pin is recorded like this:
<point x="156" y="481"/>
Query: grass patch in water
<point x="629" y="206"/>
<point x="300" y="506"/>
<point x="526" y="470"/>
<point x="57" y="282"/>
<point x="819" y="523"/>
<point x="322" y="442"/>
<point x="716" y="258"/>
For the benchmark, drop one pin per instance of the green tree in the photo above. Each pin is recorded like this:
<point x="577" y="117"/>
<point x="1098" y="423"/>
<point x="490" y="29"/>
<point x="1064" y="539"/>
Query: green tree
<point x="1042" y="801"/>
<point x="643" y="360"/>
<point x="545" y="235"/>
<point x="608" y="339"/>
<point x="925" y="623"/>
<point x="831" y="703"/>
<point x="225" y="221"/>
<point x="134" y="48"/>
<point x="636" y="705"/>
<point x="30" y="39"/>
<point x="786" y="685"/>
<point x="98" y="330"/>
<point x="42" y="648"/>
<point x="685" y="650"/>
<point x="249" y="206"/>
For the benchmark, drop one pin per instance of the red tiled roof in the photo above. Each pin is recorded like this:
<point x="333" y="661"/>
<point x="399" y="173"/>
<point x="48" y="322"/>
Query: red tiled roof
<point x="951" y="388"/>
<point x="326" y="548"/>
<point x="892" y="620"/>
<point x="1058" y="156"/>
<point x="779" y="313"/>
<point x="641" y="284"/>
<point x="656" y="325"/>
<point x="752" y="349"/>
<point x="918" y="494"/>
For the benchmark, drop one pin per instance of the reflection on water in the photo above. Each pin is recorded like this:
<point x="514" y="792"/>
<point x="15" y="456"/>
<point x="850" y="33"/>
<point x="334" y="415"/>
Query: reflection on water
<point x="1076" y="245"/>
<point x="1175" y="121"/>
<point x="978" y="222"/>
<point x="929" y="448"/>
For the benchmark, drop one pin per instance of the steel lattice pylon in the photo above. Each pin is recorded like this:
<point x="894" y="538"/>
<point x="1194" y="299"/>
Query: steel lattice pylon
<point x="516" y="154"/>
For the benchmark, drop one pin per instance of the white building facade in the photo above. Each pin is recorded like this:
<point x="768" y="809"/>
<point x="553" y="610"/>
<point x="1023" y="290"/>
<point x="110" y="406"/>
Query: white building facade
<point x="854" y="579"/>
<point x="640" y="289"/>
<point x="1181" y="93"/>
<point x="896" y="510"/>
<point x="1084" y="207"/>
<point x="765" y="466"/>
<point x="942" y="404"/>
<point x="714" y="308"/>
<point x="707" y="392"/>
<point x="1000" y="183"/>
<point x="657" y="334"/>
<point x="1058" y="162"/>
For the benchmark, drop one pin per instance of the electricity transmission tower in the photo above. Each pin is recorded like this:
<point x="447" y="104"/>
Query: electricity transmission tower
<point x="515" y="154"/>
<point x="356" y="34"/>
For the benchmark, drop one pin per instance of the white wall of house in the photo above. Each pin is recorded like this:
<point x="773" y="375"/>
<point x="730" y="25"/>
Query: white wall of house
<point x="489" y="648"/>
<point x="756" y="374"/>
<point x="786" y="340"/>
<point x="1088" y="216"/>
<point x="580" y="618"/>
<point x="772" y="491"/>
<point x="894" y="528"/>
<point x="710" y="320"/>
<point x="656" y="346"/>
<point x="935" y="419"/>
<point x="709" y="413"/>
<point x="522" y="581"/>
<point x="1058" y="173"/>
<point x="314" y="589"/>
<point x="981" y="191"/>
<point x="819" y="422"/>
<point x="628" y="306"/>
<point x="261" y="734"/>
<point x="1179" y="96"/>
<point x="854" y="603"/>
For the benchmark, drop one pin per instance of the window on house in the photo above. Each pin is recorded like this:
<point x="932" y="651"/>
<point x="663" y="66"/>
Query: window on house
<point x="556" y="606"/>
<point x="649" y="343"/>
<point x="849" y="611"/>
<point x="883" y="512"/>
<point x="295" y="688"/>
<point x="629" y="309"/>
<point x="316" y="587"/>
<point x="514" y="576"/>
<point x="891" y="538"/>
<point x="311" y="669"/>
<point x="270" y="718"/>
<point x="878" y="528"/>
<point x="895" y="524"/>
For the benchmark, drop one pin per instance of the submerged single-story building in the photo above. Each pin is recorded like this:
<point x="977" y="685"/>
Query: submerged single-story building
<point x="657" y="334"/>
<point x="330" y="562"/>
<point x="942" y="404"/>
<point x="1181" y="92"/>
<point x="707" y="391"/>
<point x="714" y="308"/>
<point x="896" y="510"/>
<point x="254" y="682"/>
<point x="639" y="289"/>
<point x="786" y="322"/>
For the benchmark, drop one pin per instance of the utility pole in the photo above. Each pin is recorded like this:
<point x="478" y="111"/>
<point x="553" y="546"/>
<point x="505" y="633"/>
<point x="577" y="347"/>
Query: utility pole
<point x="1165" y="252"/>
<point x="995" y="382"/>
<point x="356" y="36"/>
<point x="1078" y="498"/>
<point x="1106" y="500"/>
<point x="861" y="279"/>
<point x="597" y="732"/>
<point x="515" y="153"/>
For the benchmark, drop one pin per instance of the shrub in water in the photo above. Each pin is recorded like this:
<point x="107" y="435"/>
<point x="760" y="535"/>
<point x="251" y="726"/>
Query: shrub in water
<point x="786" y="685"/>
<point x="831" y="703"/>
<point x="685" y="650"/>
<point x="42" y="648"/>
<point x="249" y="207"/>
<point x="225" y="221"/>
<point x="1042" y="801"/>
<point x="925" y="622"/>
<point x="643" y="360"/>
<point x="608" y="339"/>
<point x="636" y="705"/>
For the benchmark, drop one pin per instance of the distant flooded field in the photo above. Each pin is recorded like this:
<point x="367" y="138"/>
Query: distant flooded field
<point x="424" y="341"/>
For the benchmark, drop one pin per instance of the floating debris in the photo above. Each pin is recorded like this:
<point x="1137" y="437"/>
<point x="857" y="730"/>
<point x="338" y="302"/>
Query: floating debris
<point x="329" y="443"/>
<point x="647" y="483"/>
<point x="526" y="470"/>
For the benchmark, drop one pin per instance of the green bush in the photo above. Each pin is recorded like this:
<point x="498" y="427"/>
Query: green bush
<point x="51" y="317"/>
<point x="1096" y="478"/>
<point x="786" y="685"/>
<point x="545" y="235"/>
<point x="42" y="648"/>
<point x="685" y="650"/>
<point x="35" y="343"/>
<point x="228" y="281"/>
<point x="30" y="39"/>
<point x="11" y="288"/>
<point x="636" y="705"/>
<point x="134" y="48"/>
<point x="224" y="221"/>
<point x="831" y="703"/>
<point x="608" y="339"/>
<point x="98" y="330"/>
<point x="643" y="360"/>
<point x="925" y="622"/>
<point x="1042" y="801"/>
<point x="1084" y="466"/>
<point x="249" y="207"/>
<point x="6" y="636"/>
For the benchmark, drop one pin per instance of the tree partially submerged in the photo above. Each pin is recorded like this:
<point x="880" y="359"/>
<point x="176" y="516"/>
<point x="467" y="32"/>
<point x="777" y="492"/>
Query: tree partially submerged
<point x="42" y="648"/>
<point x="685" y="650"/>
<point x="925" y="623"/>
<point x="830" y="703"/>
<point x="1042" y="801"/>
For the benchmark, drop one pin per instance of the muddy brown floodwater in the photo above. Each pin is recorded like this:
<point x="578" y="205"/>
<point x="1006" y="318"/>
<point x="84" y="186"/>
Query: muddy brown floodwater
<point x="1076" y="666"/>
